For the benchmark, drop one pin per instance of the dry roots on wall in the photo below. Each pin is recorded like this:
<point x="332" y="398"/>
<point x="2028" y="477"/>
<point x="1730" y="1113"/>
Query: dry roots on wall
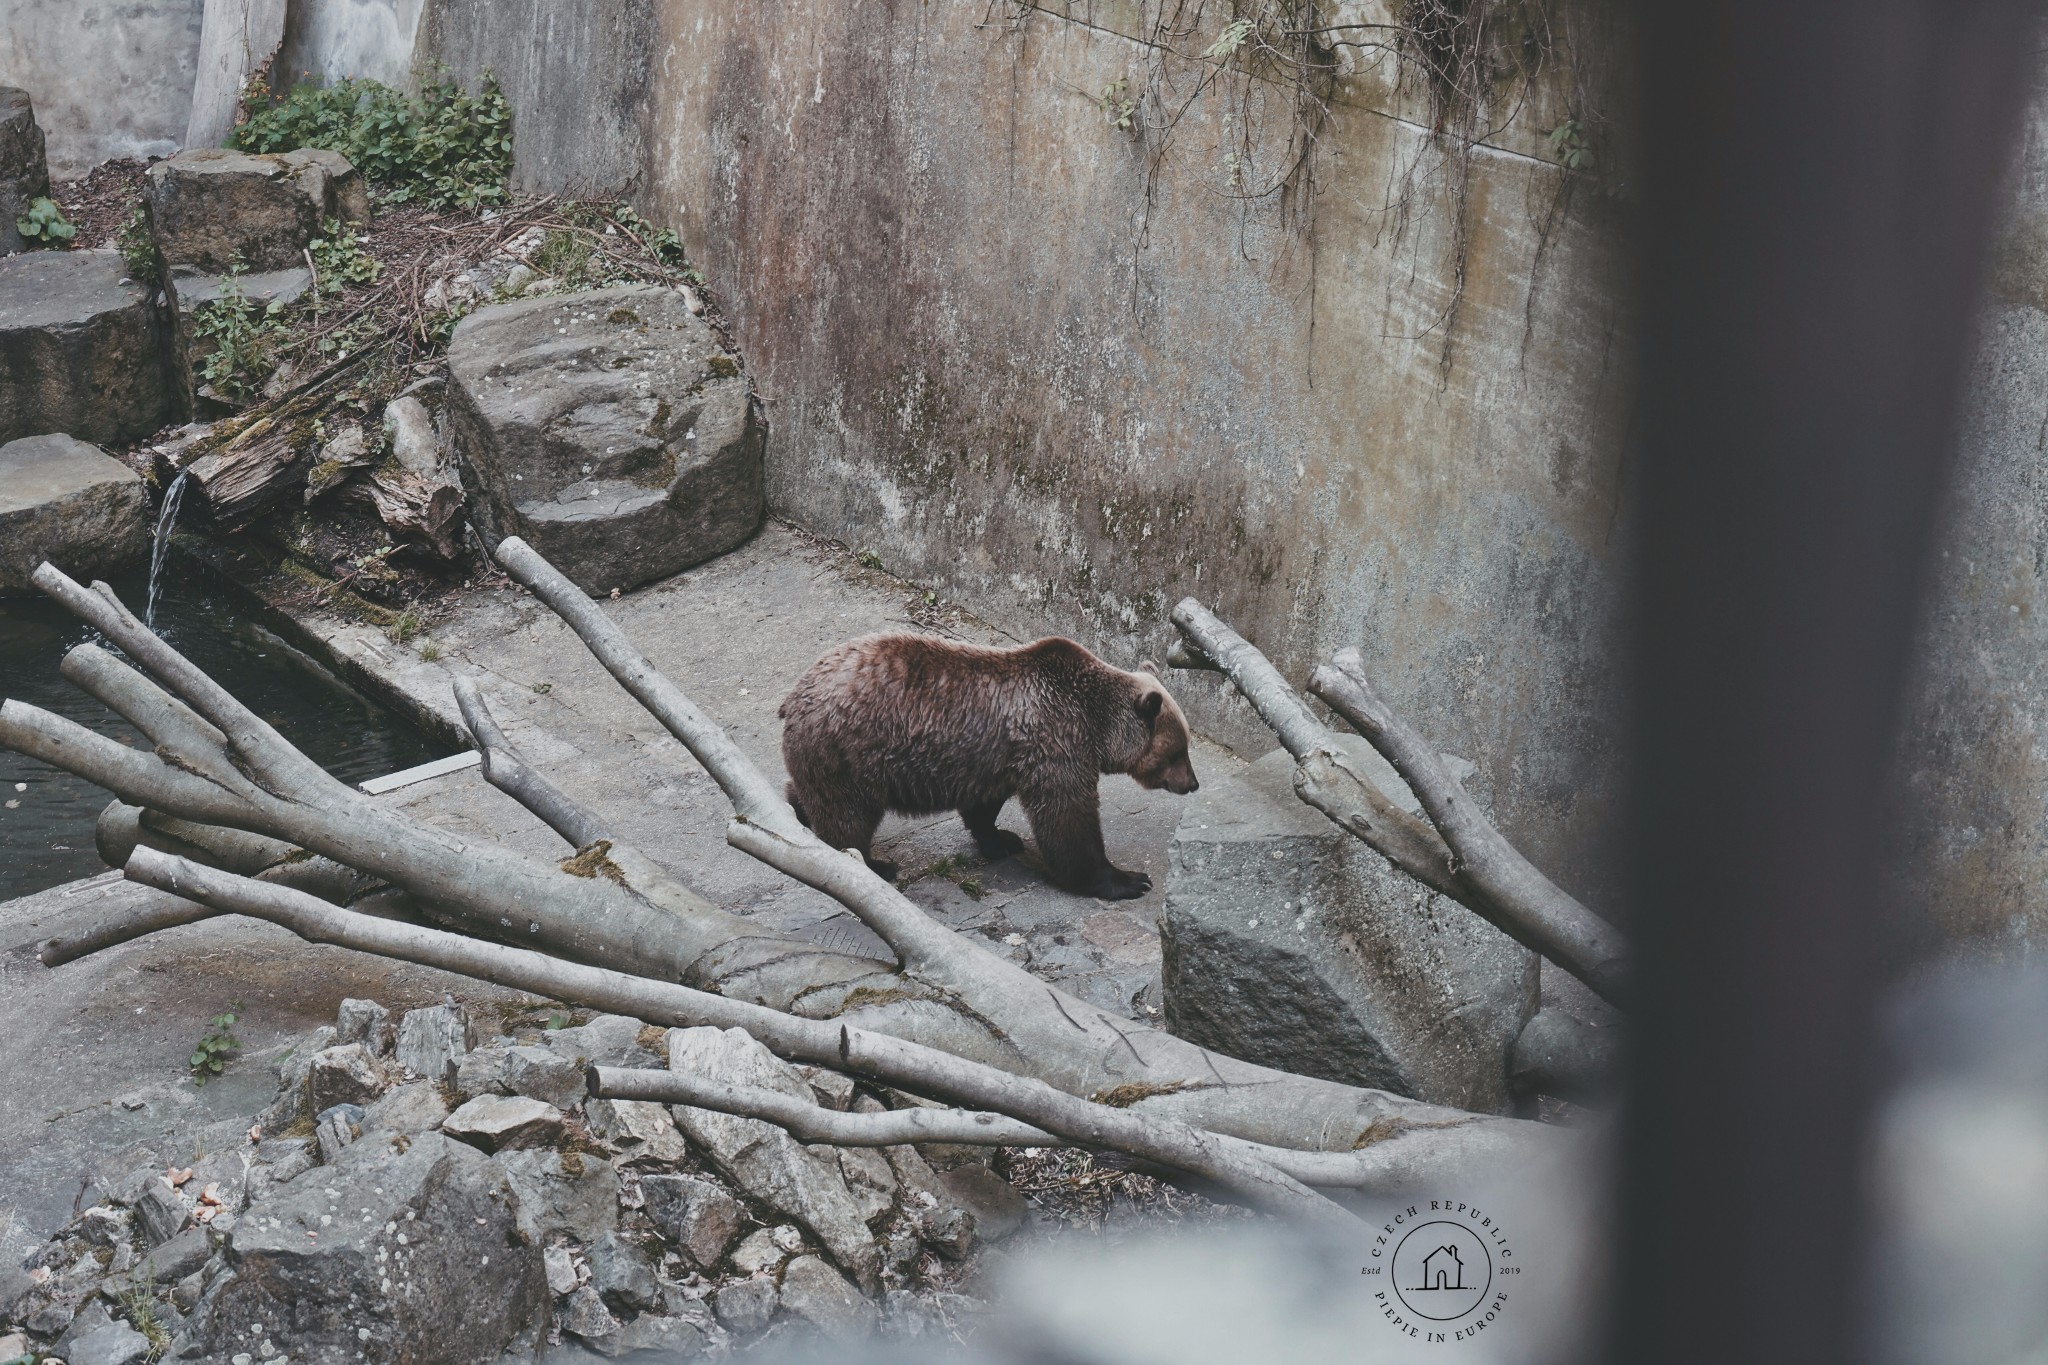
<point x="1470" y="69"/>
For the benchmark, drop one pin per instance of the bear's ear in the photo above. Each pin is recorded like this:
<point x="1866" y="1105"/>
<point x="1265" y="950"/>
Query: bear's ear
<point x="1149" y="702"/>
<point x="1147" y="666"/>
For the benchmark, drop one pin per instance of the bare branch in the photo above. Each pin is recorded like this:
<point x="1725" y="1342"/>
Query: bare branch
<point x="504" y="769"/>
<point x="1253" y="675"/>
<point x="263" y="752"/>
<point x="752" y="795"/>
<point x="170" y="724"/>
<point x="138" y="778"/>
<point x="1530" y="906"/>
<point x="913" y="1066"/>
<point x="810" y="1122"/>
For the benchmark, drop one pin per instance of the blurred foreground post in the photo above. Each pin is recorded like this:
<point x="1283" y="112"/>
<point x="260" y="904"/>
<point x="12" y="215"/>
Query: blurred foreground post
<point x="1821" y="180"/>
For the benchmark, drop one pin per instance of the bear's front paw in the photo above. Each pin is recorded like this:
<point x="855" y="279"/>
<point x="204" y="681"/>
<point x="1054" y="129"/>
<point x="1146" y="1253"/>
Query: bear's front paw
<point x="883" y="868"/>
<point x="1115" y="884"/>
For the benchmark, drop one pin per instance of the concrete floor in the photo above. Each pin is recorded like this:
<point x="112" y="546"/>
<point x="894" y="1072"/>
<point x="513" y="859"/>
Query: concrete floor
<point x="92" y="1074"/>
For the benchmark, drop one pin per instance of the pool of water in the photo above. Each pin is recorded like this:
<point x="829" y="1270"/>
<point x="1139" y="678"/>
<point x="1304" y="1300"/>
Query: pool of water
<point x="47" y="815"/>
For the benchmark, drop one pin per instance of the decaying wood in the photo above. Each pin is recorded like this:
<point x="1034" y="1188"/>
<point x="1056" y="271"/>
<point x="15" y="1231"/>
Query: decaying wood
<point x="1457" y="853"/>
<point x="416" y="507"/>
<point x="610" y="928"/>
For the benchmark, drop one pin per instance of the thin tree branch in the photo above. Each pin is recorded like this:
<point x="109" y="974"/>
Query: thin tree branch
<point x="504" y="769"/>
<point x="752" y="795"/>
<point x="810" y="1122"/>
<point x="1541" y="913"/>
<point x="171" y="725"/>
<point x="914" y="1067"/>
<point x="137" y="778"/>
<point x="263" y="752"/>
<point x="1253" y="675"/>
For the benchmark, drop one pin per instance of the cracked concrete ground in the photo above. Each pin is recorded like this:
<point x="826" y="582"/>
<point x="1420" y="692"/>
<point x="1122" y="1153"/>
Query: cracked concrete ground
<point x="94" y="1067"/>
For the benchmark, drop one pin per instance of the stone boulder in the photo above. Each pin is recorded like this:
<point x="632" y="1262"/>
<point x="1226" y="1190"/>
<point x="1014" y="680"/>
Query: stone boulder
<point x="609" y="429"/>
<point x="81" y="349"/>
<point x="804" y="1183"/>
<point x="398" y="1251"/>
<point x="210" y="207"/>
<point x="70" y="503"/>
<point x="24" y="171"/>
<point x="1289" y="943"/>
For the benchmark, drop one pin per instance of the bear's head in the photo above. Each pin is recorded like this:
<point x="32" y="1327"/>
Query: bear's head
<point x="1163" y="762"/>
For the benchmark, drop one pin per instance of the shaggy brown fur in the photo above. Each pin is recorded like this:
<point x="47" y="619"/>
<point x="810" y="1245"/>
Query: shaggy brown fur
<point x="917" y="725"/>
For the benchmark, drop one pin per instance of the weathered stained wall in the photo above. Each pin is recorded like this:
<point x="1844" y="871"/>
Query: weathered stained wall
<point x="109" y="77"/>
<point x="1022" y="357"/>
<point x="1977" y="750"/>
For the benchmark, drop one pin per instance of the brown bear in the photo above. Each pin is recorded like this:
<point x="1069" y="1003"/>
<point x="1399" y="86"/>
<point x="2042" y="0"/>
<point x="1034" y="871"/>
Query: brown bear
<point x="917" y="725"/>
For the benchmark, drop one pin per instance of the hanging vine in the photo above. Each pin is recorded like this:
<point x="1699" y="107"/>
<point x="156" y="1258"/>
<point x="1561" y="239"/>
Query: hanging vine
<point x="1280" y="66"/>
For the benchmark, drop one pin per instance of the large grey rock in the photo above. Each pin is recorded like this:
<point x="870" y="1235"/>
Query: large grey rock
<point x="621" y="1273"/>
<point x="81" y="349"/>
<point x="70" y="503"/>
<point x="641" y="1133"/>
<point x="432" y="1041"/>
<point x="610" y="429"/>
<point x="572" y="1194"/>
<point x="746" y="1305"/>
<point x="1290" y="943"/>
<point x="365" y="1022"/>
<point x="346" y="1074"/>
<point x="607" y="1040"/>
<point x="802" y="1182"/>
<point x="413" y="1108"/>
<point x="695" y="1214"/>
<point x="210" y="207"/>
<point x="820" y="1296"/>
<point x="24" y="170"/>
<point x="114" y="1344"/>
<point x="500" y="1123"/>
<point x="386" y="1255"/>
<point x="653" y="1339"/>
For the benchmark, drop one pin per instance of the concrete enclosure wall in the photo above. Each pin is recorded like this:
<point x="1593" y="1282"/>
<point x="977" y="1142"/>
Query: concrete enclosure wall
<point x="1058" y="369"/>
<point x="109" y="77"/>
<point x="1070" y="371"/>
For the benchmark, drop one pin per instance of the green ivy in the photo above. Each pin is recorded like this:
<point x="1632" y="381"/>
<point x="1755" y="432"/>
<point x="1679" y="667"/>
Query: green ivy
<point x="339" y="258"/>
<point x="210" y="1054"/>
<point x="444" y="148"/>
<point x="45" y="225"/>
<point x="239" y="339"/>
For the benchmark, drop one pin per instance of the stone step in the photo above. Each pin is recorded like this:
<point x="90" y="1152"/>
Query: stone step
<point x="70" y="503"/>
<point x="82" y="349"/>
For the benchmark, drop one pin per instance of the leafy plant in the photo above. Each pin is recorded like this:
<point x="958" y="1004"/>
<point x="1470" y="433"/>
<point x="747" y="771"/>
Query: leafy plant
<point x="408" y="625"/>
<point x="664" y="244"/>
<point x="1118" y="106"/>
<point x="445" y="147"/>
<point x="243" y="337"/>
<point x="568" y="257"/>
<point x="138" y="248"/>
<point x="1230" y="40"/>
<point x="339" y="259"/>
<point x="45" y="225"/>
<point x="210" y="1054"/>
<point x="138" y="1302"/>
<point x="1569" y="145"/>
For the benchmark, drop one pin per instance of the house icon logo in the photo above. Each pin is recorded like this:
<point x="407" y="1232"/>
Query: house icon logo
<point x="1442" y="1270"/>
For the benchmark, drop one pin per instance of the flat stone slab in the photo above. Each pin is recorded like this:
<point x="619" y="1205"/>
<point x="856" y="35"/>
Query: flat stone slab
<point x="610" y="429"/>
<point x="81" y="349"/>
<point x="211" y="208"/>
<point x="70" y="503"/>
<point x="191" y="289"/>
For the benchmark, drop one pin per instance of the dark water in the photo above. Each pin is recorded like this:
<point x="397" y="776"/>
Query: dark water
<point x="46" y="839"/>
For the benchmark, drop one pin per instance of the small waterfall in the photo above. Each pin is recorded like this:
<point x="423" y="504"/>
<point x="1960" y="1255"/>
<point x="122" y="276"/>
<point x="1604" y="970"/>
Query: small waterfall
<point x="160" y="550"/>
